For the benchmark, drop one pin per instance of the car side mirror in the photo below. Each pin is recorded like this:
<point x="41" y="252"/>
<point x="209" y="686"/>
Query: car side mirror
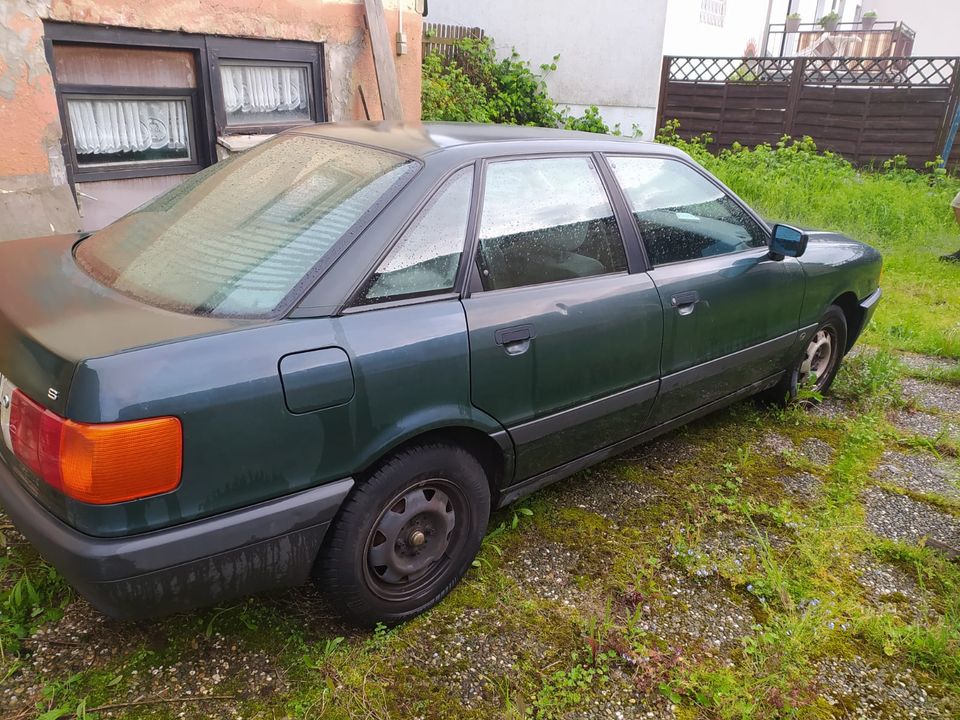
<point x="787" y="241"/>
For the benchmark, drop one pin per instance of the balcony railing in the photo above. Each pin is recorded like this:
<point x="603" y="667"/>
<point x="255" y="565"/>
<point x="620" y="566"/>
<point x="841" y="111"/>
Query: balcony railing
<point x="882" y="39"/>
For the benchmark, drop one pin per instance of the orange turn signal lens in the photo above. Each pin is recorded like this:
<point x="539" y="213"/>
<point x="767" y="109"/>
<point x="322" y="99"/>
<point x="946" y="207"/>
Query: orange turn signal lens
<point x="114" y="462"/>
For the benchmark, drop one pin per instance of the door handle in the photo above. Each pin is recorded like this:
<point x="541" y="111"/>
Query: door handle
<point x="515" y="340"/>
<point x="684" y="302"/>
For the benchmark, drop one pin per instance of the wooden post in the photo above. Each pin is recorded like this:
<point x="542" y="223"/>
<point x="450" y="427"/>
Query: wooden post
<point x="386" y="69"/>
<point x="793" y="95"/>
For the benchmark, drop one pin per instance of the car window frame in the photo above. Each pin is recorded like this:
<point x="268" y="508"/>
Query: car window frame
<point x="356" y="303"/>
<point x="763" y="224"/>
<point x="633" y="252"/>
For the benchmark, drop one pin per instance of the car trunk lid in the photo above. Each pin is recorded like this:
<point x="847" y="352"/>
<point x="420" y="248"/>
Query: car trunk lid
<point x="53" y="316"/>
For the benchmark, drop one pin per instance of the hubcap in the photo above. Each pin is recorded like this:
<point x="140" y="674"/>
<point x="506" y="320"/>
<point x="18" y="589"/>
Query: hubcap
<point x="818" y="358"/>
<point x="408" y="545"/>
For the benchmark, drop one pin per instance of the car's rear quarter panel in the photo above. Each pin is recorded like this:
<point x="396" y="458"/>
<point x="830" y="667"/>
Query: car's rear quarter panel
<point x="241" y="443"/>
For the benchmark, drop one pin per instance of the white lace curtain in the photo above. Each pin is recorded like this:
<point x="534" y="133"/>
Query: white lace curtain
<point x="265" y="88"/>
<point x="109" y="126"/>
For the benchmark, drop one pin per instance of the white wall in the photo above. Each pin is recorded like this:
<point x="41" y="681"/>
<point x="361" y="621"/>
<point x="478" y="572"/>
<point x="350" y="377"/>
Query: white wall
<point x="936" y="22"/>
<point x="686" y="34"/>
<point x="610" y="50"/>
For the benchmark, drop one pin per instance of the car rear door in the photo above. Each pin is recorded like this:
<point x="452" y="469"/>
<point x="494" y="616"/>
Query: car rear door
<point x="730" y="312"/>
<point x="564" y="327"/>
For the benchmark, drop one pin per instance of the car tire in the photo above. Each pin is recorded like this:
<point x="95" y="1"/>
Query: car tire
<point x="405" y="535"/>
<point x="822" y="355"/>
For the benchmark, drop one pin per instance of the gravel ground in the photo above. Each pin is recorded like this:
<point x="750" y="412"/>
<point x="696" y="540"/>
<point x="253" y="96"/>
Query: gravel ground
<point x="802" y="486"/>
<point x="607" y="494"/>
<point x="924" y="423"/>
<point x="832" y="408"/>
<point x="891" y="587"/>
<point x="548" y="570"/>
<point x="936" y="396"/>
<point x="696" y="615"/>
<point x="897" y="517"/>
<point x="816" y="451"/>
<point x="925" y="363"/>
<point x="864" y="690"/>
<point x="923" y="473"/>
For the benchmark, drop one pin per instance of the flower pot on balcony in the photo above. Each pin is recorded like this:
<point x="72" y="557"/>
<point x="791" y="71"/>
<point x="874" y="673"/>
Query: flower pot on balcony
<point x="793" y="24"/>
<point x="867" y="23"/>
<point x="830" y="21"/>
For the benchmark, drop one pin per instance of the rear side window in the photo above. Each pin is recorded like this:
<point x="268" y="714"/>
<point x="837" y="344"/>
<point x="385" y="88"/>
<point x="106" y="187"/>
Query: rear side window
<point x="682" y="215"/>
<point x="546" y="220"/>
<point x="238" y="238"/>
<point x="427" y="257"/>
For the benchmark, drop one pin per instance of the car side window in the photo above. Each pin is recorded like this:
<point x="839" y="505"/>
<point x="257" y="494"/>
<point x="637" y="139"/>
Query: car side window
<point x="543" y="220"/>
<point x="682" y="215"/>
<point x="426" y="258"/>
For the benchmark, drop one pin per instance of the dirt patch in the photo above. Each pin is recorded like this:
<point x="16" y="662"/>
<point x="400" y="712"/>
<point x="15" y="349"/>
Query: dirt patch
<point x="897" y="517"/>
<point x="923" y="473"/>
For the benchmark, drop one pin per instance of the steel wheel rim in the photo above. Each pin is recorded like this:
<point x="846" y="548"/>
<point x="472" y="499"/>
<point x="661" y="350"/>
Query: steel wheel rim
<point x="409" y="546"/>
<point x="819" y="357"/>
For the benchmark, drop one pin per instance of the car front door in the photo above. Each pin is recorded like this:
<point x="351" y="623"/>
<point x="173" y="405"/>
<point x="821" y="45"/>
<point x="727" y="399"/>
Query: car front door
<point x="730" y="311"/>
<point x="564" y="339"/>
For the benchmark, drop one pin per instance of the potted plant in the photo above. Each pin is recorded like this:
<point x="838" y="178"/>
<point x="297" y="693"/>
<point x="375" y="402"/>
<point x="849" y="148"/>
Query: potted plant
<point x="830" y="21"/>
<point x="868" y="19"/>
<point x="793" y="22"/>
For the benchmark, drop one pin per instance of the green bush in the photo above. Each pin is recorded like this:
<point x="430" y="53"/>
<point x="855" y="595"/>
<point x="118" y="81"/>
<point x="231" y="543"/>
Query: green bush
<point x="476" y="86"/>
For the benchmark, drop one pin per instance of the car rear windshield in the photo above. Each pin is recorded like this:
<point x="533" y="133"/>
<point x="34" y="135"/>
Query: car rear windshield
<point x="238" y="238"/>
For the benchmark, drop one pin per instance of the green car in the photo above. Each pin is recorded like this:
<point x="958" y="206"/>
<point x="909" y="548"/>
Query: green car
<point x="334" y="355"/>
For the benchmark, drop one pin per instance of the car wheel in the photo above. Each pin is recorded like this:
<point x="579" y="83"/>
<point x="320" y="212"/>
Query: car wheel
<point x="406" y="534"/>
<point x="819" y="362"/>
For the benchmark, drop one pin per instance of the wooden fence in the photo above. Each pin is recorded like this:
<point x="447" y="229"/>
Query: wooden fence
<point x="867" y="109"/>
<point x="443" y="39"/>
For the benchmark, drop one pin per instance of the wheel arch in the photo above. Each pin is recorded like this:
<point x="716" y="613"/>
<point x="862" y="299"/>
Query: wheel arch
<point x="493" y="452"/>
<point x="850" y="305"/>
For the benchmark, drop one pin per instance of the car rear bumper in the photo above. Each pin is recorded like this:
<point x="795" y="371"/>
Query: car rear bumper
<point x="270" y="545"/>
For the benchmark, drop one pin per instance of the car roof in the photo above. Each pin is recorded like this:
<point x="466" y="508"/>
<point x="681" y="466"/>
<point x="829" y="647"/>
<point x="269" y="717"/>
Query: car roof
<point x="423" y="139"/>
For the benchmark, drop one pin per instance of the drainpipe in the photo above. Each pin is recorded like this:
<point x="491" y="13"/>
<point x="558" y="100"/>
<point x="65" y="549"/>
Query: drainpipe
<point x="951" y="136"/>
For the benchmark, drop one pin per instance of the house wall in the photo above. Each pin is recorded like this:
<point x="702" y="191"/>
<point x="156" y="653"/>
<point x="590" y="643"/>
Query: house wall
<point x="35" y="198"/>
<point x="687" y="34"/>
<point x="610" y="51"/>
<point x="936" y="22"/>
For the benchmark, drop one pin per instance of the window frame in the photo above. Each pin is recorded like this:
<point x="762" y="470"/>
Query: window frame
<point x="761" y="223"/>
<point x="207" y="51"/>
<point x="117" y="170"/>
<point x="629" y="239"/>
<point x="237" y="51"/>
<point x="355" y="300"/>
<point x="359" y="297"/>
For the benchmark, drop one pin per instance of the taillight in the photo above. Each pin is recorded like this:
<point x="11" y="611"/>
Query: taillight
<point x="97" y="463"/>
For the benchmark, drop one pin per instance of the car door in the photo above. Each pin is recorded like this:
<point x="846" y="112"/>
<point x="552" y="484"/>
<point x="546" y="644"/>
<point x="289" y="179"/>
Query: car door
<point x="730" y="311"/>
<point x="564" y="338"/>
